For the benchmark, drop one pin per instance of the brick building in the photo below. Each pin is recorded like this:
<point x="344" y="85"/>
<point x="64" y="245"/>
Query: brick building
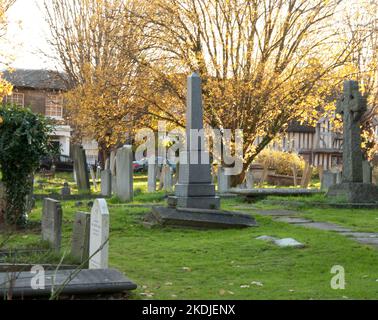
<point x="41" y="91"/>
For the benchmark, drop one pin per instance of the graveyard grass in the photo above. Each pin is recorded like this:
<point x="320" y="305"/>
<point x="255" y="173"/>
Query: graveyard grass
<point x="227" y="264"/>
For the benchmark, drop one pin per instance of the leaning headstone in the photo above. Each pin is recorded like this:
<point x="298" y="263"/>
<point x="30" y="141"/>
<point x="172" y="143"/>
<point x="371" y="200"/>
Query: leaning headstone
<point x="352" y="106"/>
<point x="328" y="180"/>
<point x="224" y="182"/>
<point x="124" y="163"/>
<point x="367" y="172"/>
<point x="249" y="179"/>
<point x="52" y="223"/>
<point x="99" y="235"/>
<point x="106" y="183"/>
<point x="80" y="236"/>
<point x="81" y="168"/>
<point x="65" y="191"/>
<point x="152" y="168"/>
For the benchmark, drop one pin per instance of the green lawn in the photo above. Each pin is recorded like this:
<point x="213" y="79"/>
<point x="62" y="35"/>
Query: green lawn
<point x="229" y="264"/>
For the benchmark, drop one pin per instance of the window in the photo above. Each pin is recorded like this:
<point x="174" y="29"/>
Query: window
<point x="54" y="106"/>
<point x="16" y="99"/>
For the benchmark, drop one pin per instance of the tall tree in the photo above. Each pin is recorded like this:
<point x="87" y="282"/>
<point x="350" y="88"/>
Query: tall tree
<point x="5" y="87"/>
<point x="97" y="43"/>
<point x="263" y="63"/>
<point x="361" y="24"/>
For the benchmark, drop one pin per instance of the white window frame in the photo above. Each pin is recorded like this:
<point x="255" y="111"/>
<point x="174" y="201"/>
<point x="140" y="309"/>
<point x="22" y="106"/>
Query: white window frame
<point x="54" y="100"/>
<point x="11" y="99"/>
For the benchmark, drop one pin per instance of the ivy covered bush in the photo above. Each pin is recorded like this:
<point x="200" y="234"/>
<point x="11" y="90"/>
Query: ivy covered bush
<point x="24" y="139"/>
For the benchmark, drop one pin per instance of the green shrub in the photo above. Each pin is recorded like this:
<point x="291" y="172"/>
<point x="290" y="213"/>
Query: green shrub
<point x="23" y="141"/>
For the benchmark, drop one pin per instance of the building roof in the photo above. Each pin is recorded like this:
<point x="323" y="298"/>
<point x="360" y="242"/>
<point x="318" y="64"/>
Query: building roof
<point x="295" y="126"/>
<point x="36" y="79"/>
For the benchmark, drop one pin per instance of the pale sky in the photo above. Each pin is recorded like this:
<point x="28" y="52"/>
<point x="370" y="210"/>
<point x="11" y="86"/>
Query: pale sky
<point x="27" y="33"/>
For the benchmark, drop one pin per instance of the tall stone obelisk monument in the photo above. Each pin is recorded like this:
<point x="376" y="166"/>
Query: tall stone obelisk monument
<point x="195" y="188"/>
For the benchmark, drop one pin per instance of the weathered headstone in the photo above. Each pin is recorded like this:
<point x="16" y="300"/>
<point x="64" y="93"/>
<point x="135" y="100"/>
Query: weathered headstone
<point x="352" y="189"/>
<point x="93" y="177"/>
<point x="224" y="182"/>
<point x="175" y="178"/>
<point x="106" y="183"/>
<point x="367" y="172"/>
<point x="113" y="169"/>
<point x="65" y="191"/>
<point x="328" y="180"/>
<point x="80" y="236"/>
<point x="81" y="168"/>
<point x="52" y="223"/>
<point x="306" y="177"/>
<point x="99" y="235"/>
<point x="152" y="168"/>
<point x="249" y="179"/>
<point x="166" y="174"/>
<point x="124" y="163"/>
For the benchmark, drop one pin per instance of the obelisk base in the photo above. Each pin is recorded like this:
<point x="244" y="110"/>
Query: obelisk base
<point x="353" y="192"/>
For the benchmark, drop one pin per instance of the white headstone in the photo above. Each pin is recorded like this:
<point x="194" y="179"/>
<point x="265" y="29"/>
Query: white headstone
<point x="99" y="235"/>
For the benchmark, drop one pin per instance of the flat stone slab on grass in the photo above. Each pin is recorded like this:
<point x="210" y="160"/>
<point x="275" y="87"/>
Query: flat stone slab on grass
<point x="274" y="192"/>
<point x="324" y="226"/>
<point x="286" y="242"/>
<point x="292" y="220"/>
<point x="267" y="238"/>
<point x="198" y="218"/>
<point x="87" y="281"/>
<point x="276" y="212"/>
<point x="289" y="242"/>
<point x="370" y="241"/>
<point x="360" y="234"/>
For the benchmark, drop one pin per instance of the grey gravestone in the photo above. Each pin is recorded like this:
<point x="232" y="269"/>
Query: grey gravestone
<point x="166" y="174"/>
<point x="329" y="179"/>
<point x="194" y="189"/>
<point x="152" y="168"/>
<point x="81" y="168"/>
<point x="352" y="189"/>
<point x="249" y="179"/>
<point x="367" y="172"/>
<point x="223" y="181"/>
<point x="85" y="282"/>
<point x="93" y="177"/>
<point x="106" y="183"/>
<point x="113" y="169"/>
<point x="195" y="203"/>
<point x="124" y="163"/>
<point x="80" y="236"/>
<point x="99" y="235"/>
<point x="66" y="191"/>
<point x="52" y="222"/>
